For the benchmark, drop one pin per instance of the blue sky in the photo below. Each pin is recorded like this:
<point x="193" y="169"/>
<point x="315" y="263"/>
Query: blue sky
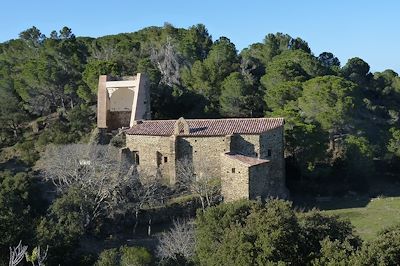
<point x="348" y="28"/>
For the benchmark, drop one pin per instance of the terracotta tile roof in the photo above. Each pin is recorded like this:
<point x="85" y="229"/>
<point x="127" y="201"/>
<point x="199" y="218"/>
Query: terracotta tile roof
<point x="207" y="127"/>
<point x="249" y="161"/>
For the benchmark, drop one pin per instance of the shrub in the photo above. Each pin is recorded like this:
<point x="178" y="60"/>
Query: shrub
<point x="383" y="250"/>
<point x="135" y="256"/>
<point x="108" y="257"/>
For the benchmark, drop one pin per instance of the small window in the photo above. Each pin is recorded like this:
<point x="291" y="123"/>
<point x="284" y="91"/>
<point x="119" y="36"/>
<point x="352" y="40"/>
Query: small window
<point x="137" y="161"/>
<point x="159" y="158"/>
<point x="165" y="159"/>
<point x="233" y="170"/>
<point x="269" y="152"/>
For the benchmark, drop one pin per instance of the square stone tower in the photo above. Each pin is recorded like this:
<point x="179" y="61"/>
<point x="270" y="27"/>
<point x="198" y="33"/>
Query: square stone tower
<point x="121" y="102"/>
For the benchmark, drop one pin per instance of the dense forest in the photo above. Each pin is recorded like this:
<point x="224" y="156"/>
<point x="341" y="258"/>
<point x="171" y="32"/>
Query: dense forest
<point x="342" y="134"/>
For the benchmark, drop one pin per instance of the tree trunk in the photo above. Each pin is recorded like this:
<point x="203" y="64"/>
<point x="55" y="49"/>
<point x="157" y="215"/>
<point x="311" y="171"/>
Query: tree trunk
<point x="208" y="199"/>
<point x="202" y="203"/>
<point x="149" y="228"/>
<point x="136" y="221"/>
<point x="62" y="103"/>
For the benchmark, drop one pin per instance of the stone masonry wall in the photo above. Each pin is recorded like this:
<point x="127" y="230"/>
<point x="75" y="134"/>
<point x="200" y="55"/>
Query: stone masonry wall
<point x="158" y="154"/>
<point x="118" y="119"/>
<point x="151" y="151"/>
<point x="204" y="152"/>
<point x="102" y="102"/>
<point x="234" y="179"/>
<point x="248" y="145"/>
<point x="273" y="140"/>
<point x="260" y="181"/>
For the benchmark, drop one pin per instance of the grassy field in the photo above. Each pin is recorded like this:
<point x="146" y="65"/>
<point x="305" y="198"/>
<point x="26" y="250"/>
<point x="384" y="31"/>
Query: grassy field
<point x="371" y="215"/>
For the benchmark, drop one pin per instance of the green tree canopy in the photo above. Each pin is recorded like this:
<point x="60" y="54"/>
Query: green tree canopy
<point x="328" y="101"/>
<point x="248" y="233"/>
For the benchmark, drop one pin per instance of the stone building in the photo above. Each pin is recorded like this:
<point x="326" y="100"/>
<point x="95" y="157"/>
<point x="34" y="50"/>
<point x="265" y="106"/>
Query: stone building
<point x="246" y="154"/>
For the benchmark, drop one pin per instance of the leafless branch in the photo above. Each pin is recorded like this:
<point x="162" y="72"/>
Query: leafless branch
<point x="168" y="62"/>
<point x="17" y="254"/>
<point x="41" y="257"/>
<point x="96" y="170"/>
<point x="196" y="179"/>
<point x="180" y="239"/>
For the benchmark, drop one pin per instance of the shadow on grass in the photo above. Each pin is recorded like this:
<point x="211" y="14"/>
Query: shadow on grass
<point x="379" y="187"/>
<point x="330" y="203"/>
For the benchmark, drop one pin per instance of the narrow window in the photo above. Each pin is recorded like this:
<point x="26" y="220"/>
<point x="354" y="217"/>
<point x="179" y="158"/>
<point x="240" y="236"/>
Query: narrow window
<point x="165" y="159"/>
<point x="233" y="170"/>
<point x="137" y="161"/>
<point x="269" y="152"/>
<point x="159" y="158"/>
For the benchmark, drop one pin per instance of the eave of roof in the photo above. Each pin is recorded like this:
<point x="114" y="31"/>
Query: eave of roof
<point x="207" y="127"/>
<point x="248" y="161"/>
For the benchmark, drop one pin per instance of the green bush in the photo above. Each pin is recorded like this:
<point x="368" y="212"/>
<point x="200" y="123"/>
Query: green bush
<point x="249" y="233"/>
<point x="28" y="153"/>
<point x="135" y="256"/>
<point x="108" y="257"/>
<point x="383" y="250"/>
<point x="317" y="227"/>
<point x="124" y="256"/>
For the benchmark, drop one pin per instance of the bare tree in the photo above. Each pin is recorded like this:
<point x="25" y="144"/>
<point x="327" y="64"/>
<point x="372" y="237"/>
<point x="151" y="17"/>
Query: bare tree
<point x="147" y="192"/>
<point x="168" y="62"/>
<point x="196" y="179"/>
<point x="179" y="240"/>
<point x="112" y="185"/>
<point x="17" y="254"/>
<point x="97" y="172"/>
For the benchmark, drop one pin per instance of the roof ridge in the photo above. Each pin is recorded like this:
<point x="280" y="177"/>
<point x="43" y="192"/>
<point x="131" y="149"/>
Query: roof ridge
<point x="215" y="119"/>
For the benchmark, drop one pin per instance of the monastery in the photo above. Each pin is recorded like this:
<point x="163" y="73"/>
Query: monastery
<point x="246" y="154"/>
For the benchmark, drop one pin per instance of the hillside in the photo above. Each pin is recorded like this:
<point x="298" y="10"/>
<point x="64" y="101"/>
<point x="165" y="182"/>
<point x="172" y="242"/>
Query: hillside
<point x="342" y="127"/>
